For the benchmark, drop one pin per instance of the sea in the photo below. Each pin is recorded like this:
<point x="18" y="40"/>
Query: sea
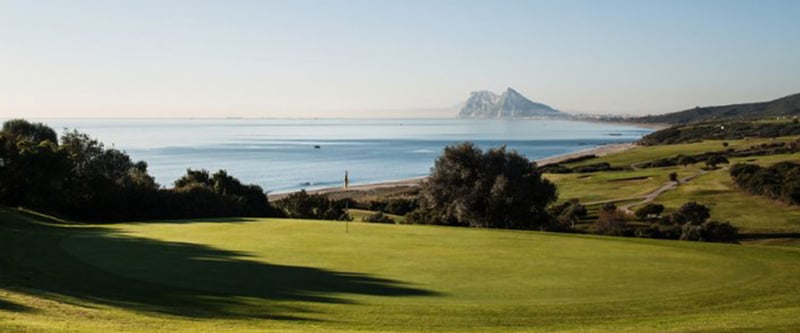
<point x="283" y="155"/>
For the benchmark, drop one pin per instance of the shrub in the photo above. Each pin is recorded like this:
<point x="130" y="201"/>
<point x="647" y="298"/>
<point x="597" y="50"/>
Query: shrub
<point x="495" y="189"/>
<point x="649" y="211"/>
<point x="602" y="166"/>
<point x="712" y="231"/>
<point x="378" y="217"/>
<point x="397" y="206"/>
<point x="691" y="213"/>
<point x="780" y="181"/>
<point x="686" y="160"/>
<point x="673" y="177"/>
<point x="649" y="232"/>
<point x="313" y="206"/>
<point x="715" y="160"/>
<point x="555" y="168"/>
<point x="567" y="214"/>
<point x="611" y="221"/>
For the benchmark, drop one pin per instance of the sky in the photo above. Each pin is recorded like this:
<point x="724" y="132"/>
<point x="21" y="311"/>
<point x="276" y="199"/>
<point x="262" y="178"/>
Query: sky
<point x="330" y="58"/>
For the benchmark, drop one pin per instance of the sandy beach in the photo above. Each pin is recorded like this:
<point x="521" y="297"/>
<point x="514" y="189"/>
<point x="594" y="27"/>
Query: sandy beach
<point x="397" y="186"/>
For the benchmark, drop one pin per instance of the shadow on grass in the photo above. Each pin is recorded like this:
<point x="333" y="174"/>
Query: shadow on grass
<point x="711" y="192"/>
<point x="13" y="307"/>
<point x="199" y="220"/>
<point x="179" y="279"/>
<point x="748" y="236"/>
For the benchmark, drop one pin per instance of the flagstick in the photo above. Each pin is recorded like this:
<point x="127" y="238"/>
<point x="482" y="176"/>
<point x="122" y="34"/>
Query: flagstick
<point x="346" y="222"/>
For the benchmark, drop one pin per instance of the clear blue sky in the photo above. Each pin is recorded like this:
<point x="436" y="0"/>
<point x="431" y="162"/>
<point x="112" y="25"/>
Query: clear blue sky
<point x="330" y="58"/>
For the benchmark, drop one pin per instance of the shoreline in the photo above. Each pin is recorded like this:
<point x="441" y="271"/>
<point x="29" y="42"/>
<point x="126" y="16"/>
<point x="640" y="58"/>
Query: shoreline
<point x="652" y="126"/>
<point x="400" y="185"/>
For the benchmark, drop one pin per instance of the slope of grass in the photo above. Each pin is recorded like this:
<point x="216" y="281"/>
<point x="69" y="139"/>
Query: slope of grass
<point x="248" y="275"/>
<point x="754" y="215"/>
<point x="359" y="214"/>
<point x="648" y="153"/>
<point x="751" y="213"/>
<point x="614" y="185"/>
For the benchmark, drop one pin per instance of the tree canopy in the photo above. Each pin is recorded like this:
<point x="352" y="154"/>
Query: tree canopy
<point x="77" y="177"/>
<point x="492" y="189"/>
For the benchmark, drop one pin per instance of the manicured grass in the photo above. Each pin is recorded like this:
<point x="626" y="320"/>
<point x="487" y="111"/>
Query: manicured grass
<point x="614" y="185"/>
<point x="358" y="214"/>
<point x="751" y="213"/>
<point x="255" y="275"/>
<point x="754" y="215"/>
<point x="643" y="154"/>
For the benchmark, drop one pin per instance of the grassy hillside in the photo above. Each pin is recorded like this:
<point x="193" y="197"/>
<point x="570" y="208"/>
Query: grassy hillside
<point x="753" y="214"/>
<point x="756" y="216"/>
<point x="260" y="275"/>
<point x="788" y="106"/>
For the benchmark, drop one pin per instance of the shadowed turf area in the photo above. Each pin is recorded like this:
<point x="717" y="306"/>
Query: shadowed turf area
<point x="254" y="275"/>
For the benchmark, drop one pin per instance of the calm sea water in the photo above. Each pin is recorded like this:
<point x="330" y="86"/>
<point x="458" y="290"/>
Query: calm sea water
<point x="281" y="155"/>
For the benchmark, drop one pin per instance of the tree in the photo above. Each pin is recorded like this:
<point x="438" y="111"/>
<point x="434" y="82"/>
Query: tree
<point x="686" y="160"/>
<point x="193" y="178"/>
<point x="673" y="177"/>
<point x="378" y="217"/>
<point x="20" y="129"/>
<point x="78" y="178"/>
<point x="313" y="206"/>
<point x="714" y="160"/>
<point x="649" y="211"/>
<point x="495" y="189"/>
<point x="225" y="192"/>
<point x="691" y="213"/>
<point x="721" y="232"/>
<point x="567" y="214"/>
<point x="712" y="231"/>
<point x="778" y="181"/>
<point x="32" y="166"/>
<point x="611" y="221"/>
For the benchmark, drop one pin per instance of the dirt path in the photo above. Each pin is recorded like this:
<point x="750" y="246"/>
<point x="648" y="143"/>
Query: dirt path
<point x="655" y="194"/>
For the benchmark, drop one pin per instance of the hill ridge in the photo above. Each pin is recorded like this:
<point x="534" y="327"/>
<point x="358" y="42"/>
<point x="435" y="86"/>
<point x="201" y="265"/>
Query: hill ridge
<point x="787" y="106"/>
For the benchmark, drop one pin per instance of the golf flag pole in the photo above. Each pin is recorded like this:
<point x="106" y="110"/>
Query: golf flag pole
<point x="346" y="204"/>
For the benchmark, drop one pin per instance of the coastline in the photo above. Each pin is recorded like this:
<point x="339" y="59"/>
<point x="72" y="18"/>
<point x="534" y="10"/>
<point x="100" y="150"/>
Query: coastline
<point x="401" y="185"/>
<point x="652" y="126"/>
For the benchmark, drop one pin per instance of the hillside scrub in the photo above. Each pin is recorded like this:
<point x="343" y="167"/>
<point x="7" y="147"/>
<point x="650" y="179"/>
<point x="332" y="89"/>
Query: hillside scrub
<point x="720" y="157"/>
<point x="720" y="131"/>
<point x="780" y="181"/>
<point x="589" y="168"/>
<point x="785" y="107"/>
<point x="313" y="206"/>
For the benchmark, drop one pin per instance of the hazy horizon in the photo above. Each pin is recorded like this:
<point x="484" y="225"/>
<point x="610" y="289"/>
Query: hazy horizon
<point x="388" y="59"/>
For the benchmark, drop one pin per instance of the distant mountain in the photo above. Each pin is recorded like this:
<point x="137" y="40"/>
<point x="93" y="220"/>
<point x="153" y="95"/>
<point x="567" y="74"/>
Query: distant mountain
<point x="788" y="106"/>
<point x="511" y="104"/>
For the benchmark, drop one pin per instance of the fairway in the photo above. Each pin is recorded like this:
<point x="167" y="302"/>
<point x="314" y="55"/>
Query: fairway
<point x="289" y="275"/>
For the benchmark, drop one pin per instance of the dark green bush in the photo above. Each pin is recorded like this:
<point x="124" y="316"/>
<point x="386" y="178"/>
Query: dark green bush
<point x="780" y="181"/>
<point x="302" y="205"/>
<point x="378" y="217"/>
<point x="492" y="189"/>
<point x="76" y="177"/>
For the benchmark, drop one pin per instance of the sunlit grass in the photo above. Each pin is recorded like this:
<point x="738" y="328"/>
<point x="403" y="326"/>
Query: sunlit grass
<point x="287" y="275"/>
